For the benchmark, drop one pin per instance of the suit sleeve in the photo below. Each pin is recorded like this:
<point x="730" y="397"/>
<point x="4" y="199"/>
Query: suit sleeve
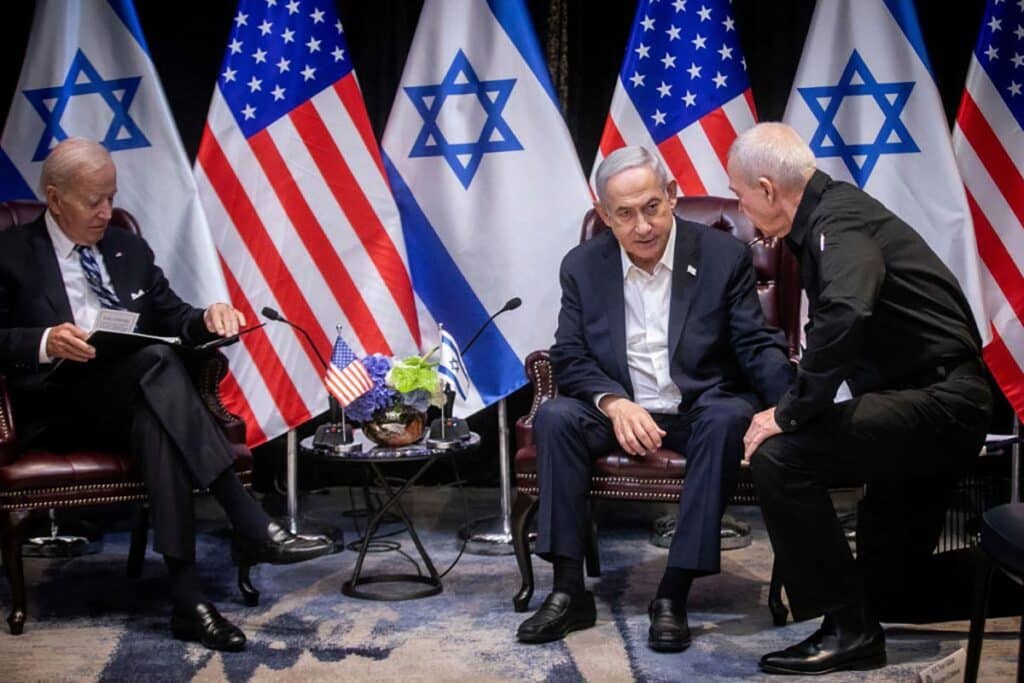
<point x="167" y="314"/>
<point x="577" y="370"/>
<point x="19" y="346"/>
<point x="760" y="349"/>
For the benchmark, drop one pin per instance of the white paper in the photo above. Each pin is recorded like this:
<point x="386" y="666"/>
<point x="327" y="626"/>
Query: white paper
<point x="116" y="321"/>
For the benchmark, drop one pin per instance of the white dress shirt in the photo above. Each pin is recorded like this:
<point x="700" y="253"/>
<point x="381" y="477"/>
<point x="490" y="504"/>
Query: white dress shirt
<point x="85" y="305"/>
<point x="648" y="298"/>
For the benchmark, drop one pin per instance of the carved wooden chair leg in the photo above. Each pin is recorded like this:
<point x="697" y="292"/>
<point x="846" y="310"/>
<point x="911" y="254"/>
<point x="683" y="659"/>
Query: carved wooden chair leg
<point x="592" y="558"/>
<point x="250" y="595"/>
<point x="139" y="537"/>
<point x="12" y="532"/>
<point x="523" y="511"/>
<point x="775" y="604"/>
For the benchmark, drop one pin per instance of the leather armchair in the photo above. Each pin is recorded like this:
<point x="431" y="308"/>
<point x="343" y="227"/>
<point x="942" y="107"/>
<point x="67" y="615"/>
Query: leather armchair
<point x="658" y="477"/>
<point x="40" y="480"/>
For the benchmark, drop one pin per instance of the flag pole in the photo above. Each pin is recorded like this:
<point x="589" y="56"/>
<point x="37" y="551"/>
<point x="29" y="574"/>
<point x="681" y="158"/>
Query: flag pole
<point x="493" y="535"/>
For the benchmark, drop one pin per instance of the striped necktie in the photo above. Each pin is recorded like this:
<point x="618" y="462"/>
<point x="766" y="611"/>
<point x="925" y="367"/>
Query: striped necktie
<point x="91" y="268"/>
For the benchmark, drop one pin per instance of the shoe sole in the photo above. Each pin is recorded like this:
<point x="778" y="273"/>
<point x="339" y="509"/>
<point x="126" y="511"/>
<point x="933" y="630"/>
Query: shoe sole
<point x="667" y="645"/>
<point x="535" y="639"/>
<point x="866" y="664"/>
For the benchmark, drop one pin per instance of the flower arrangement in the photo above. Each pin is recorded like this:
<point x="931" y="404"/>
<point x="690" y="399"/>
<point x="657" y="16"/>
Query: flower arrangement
<point x="402" y="391"/>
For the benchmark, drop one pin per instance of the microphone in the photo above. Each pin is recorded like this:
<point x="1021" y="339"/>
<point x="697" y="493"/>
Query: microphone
<point x="445" y="432"/>
<point x="335" y="434"/>
<point x="510" y="305"/>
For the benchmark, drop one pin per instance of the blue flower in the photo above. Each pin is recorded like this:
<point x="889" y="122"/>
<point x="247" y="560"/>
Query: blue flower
<point x="381" y="396"/>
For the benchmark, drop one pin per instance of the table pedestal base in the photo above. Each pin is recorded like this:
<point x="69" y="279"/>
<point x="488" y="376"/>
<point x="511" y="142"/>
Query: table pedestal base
<point x="352" y="589"/>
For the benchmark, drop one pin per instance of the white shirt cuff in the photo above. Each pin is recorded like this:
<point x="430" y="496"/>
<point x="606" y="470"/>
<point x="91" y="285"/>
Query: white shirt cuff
<point x="597" y="402"/>
<point x="43" y="358"/>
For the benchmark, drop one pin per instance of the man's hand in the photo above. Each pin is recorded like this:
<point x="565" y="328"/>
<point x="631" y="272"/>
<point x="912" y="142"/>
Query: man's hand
<point x="762" y="427"/>
<point x="635" y="429"/>
<point x="68" y="341"/>
<point x="223" y="319"/>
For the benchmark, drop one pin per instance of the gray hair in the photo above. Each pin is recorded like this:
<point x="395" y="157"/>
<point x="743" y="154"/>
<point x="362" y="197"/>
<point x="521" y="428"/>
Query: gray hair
<point x="68" y="158"/>
<point x="774" y="151"/>
<point x="624" y="159"/>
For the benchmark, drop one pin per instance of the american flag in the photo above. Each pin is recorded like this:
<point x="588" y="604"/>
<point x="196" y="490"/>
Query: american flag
<point x="989" y="145"/>
<point x="682" y="90"/>
<point x="346" y="378"/>
<point x="292" y="182"/>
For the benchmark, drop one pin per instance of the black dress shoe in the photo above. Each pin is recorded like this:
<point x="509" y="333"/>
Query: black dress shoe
<point x="204" y="624"/>
<point x="559" y="614"/>
<point x="824" y="652"/>
<point x="669" y="631"/>
<point x="279" y="547"/>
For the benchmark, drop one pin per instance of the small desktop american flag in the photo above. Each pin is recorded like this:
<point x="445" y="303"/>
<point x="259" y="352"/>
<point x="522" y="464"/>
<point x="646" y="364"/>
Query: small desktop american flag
<point x="346" y="378"/>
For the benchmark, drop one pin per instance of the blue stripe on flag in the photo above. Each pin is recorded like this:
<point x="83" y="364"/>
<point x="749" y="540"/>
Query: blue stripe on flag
<point x="514" y="18"/>
<point x="12" y="184"/>
<point x="126" y="11"/>
<point x="904" y="14"/>
<point x="450" y="299"/>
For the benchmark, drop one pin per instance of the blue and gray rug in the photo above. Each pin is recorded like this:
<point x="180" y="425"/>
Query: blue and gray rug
<point x="87" y="622"/>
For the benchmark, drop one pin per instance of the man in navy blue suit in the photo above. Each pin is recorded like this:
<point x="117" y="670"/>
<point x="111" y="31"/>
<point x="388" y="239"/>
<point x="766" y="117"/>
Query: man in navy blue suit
<point x="56" y="274"/>
<point x="661" y="342"/>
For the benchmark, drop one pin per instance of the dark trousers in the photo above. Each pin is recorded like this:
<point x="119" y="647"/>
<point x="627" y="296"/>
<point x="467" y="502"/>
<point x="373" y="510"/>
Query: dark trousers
<point x="146" y="405"/>
<point x="907" y="447"/>
<point x="571" y="433"/>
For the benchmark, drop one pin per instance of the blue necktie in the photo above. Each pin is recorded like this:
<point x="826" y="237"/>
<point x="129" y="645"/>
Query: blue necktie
<point x="91" y="268"/>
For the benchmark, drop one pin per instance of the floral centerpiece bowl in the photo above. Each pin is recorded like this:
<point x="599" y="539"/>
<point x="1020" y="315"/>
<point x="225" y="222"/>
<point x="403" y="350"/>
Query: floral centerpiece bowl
<point x="394" y="412"/>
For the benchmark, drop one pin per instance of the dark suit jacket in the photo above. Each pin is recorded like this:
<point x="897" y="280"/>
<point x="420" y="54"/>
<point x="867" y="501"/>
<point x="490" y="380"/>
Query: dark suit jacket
<point x="719" y="343"/>
<point x="32" y="296"/>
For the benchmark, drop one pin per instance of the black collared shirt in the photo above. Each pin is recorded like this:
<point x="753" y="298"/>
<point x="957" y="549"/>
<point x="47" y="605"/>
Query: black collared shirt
<point x="883" y="307"/>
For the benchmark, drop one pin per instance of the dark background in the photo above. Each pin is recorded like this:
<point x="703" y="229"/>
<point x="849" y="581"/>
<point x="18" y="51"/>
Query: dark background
<point x="187" y="41"/>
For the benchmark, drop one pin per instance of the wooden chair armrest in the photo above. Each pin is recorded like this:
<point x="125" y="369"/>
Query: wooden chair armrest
<point x="8" y="436"/>
<point x="542" y="377"/>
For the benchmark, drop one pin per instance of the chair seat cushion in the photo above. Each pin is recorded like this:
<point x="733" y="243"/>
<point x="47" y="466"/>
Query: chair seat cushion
<point x="45" y="470"/>
<point x="661" y="464"/>
<point x="1002" y="535"/>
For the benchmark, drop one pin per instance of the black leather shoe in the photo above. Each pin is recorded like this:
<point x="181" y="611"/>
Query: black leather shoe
<point x="559" y="614"/>
<point x="825" y="652"/>
<point x="280" y="547"/>
<point x="669" y="631"/>
<point x="204" y="624"/>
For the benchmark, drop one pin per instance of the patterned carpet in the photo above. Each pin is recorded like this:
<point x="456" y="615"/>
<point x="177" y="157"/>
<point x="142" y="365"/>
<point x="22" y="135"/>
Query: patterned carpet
<point x="87" y="622"/>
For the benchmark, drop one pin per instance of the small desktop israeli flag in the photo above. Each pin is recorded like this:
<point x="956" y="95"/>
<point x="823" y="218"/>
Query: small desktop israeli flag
<point x="451" y="369"/>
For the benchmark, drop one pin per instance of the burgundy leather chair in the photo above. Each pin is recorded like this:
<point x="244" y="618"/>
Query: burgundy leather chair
<point x="41" y="480"/>
<point x="657" y="477"/>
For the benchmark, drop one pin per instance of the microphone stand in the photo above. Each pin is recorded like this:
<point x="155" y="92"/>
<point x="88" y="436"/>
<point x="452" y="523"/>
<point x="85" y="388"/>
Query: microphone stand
<point x="293" y="519"/>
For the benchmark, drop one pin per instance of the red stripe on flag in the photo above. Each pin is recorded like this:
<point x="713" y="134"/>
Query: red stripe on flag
<point x="348" y="91"/>
<point x="611" y="138"/>
<point x="681" y="166"/>
<point x="237" y="404"/>
<point x="261" y="248"/>
<point x="360" y="213"/>
<point x="997" y="259"/>
<point x="318" y="245"/>
<point x="1005" y="371"/>
<point x="720" y="132"/>
<point x="264" y="357"/>
<point x="748" y="95"/>
<point x="990" y="150"/>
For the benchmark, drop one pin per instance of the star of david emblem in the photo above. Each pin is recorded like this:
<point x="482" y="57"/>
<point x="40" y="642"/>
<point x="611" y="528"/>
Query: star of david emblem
<point x="83" y="79"/>
<point x="463" y="157"/>
<point x="892" y="137"/>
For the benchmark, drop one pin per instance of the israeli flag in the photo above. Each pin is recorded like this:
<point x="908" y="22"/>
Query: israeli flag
<point x="488" y="184"/>
<point x="87" y="73"/>
<point x="865" y="99"/>
<point x="451" y="368"/>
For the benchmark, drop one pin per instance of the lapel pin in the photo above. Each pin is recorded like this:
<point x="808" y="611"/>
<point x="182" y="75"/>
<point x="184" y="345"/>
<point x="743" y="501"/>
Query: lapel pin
<point x="117" y="255"/>
<point x="691" y="270"/>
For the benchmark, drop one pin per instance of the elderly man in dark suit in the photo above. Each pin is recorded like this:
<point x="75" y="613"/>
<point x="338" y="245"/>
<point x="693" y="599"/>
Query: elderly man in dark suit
<point x="661" y="342"/>
<point x="56" y="274"/>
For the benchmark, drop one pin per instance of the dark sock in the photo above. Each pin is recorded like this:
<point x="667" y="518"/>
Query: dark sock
<point x="675" y="585"/>
<point x="186" y="592"/>
<point x="246" y="515"/>
<point x="568" y="575"/>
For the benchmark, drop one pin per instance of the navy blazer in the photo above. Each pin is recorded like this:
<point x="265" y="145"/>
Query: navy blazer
<point x="719" y="343"/>
<point x="32" y="295"/>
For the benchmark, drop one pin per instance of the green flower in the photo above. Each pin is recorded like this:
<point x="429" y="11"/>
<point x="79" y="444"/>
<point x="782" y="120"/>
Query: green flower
<point x="412" y="374"/>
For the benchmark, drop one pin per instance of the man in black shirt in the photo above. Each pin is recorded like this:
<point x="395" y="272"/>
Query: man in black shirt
<point x="889" y="318"/>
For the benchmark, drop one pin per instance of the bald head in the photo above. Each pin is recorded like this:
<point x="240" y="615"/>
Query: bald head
<point x="79" y="182"/>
